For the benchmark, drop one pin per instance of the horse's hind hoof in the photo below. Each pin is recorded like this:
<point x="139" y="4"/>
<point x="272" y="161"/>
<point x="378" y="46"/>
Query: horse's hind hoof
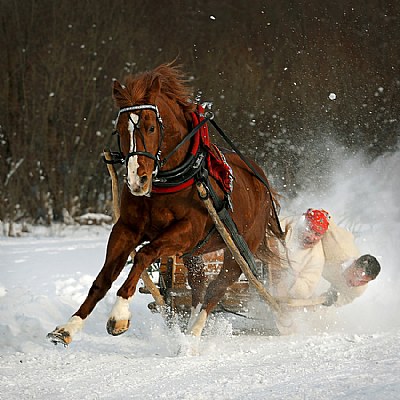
<point x="116" y="328"/>
<point x="59" y="336"/>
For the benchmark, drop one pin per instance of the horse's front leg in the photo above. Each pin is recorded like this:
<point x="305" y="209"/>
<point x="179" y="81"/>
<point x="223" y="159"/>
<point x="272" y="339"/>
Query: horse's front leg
<point x="121" y="242"/>
<point x="172" y="241"/>
<point x="229" y="274"/>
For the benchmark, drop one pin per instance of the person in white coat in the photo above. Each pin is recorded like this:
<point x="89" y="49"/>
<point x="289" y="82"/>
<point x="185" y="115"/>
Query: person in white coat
<point x="316" y="247"/>
<point x="298" y="268"/>
<point x="301" y="257"/>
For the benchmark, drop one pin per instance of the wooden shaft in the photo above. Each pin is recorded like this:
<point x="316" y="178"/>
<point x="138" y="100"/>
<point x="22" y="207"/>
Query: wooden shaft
<point x="314" y="301"/>
<point x="153" y="289"/>
<point x="150" y="285"/>
<point x="114" y="185"/>
<point x="234" y="250"/>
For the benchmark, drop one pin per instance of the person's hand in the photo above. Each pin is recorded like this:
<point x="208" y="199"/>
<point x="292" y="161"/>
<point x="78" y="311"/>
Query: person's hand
<point x="331" y="297"/>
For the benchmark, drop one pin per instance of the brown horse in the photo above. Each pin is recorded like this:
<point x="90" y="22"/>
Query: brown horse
<point x="155" y="115"/>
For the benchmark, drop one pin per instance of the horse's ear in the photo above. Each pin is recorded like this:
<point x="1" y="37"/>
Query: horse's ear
<point x="155" y="88"/>
<point x="119" y="93"/>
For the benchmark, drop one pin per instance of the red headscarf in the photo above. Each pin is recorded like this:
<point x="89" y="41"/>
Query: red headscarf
<point x="317" y="220"/>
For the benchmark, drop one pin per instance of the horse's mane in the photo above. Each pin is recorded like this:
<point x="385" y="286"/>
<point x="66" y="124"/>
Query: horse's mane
<point x="173" y="84"/>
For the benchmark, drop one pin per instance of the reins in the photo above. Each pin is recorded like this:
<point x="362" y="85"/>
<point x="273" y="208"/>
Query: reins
<point x="184" y="140"/>
<point x="247" y="162"/>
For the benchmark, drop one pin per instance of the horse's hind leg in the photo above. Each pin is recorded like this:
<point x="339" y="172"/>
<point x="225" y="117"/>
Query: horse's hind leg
<point x="120" y="244"/>
<point x="229" y="274"/>
<point x="196" y="280"/>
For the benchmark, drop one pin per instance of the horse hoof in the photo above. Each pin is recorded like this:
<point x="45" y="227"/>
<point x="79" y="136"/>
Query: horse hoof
<point x="59" y="336"/>
<point x="116" y="328"/>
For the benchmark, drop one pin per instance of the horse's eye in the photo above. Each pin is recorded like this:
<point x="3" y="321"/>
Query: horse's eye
<point x="152" y="129"/>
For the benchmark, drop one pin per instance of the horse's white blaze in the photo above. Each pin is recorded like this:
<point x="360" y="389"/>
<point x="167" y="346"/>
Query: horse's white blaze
<point x="194" y="312"/>
<point x="133" y="165"/>
<point x="199" y="324"/>
<point x="133" y="177"/>
<point x="74" y="324"/>
<point x="120" y="310"/>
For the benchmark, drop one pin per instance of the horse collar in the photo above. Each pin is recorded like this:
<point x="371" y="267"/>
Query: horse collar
<point x="181" y="177"/>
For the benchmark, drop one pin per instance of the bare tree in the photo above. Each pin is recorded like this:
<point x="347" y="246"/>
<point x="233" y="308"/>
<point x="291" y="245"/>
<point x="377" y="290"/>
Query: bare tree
<point x="286" y="78"/>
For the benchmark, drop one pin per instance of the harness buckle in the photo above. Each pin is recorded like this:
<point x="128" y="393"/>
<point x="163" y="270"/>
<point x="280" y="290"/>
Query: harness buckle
<point x="209" y="115"/>
<point x="198" y="161"/>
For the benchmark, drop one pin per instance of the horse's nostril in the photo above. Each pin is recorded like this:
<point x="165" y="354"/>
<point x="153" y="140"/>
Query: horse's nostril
<point x="143" y="179"/>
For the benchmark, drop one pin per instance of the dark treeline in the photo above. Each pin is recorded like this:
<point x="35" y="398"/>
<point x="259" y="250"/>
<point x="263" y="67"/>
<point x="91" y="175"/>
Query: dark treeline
<point x="291" y="82"/>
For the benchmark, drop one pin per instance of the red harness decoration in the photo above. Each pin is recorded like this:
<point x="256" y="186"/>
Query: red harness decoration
<point x="217" y="166"/>
<point x="173" y="189"/>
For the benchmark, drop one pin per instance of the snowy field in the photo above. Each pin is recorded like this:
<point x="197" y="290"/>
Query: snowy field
<point x="348" y="353"/>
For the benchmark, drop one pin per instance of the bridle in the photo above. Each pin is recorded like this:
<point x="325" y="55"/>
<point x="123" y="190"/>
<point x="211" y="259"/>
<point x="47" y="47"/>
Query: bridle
<point x="136" y="127"/>
<point x="119" y="158"/>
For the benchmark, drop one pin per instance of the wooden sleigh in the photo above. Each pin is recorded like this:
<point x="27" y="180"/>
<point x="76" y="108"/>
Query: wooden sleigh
<point x="172" y="282"/>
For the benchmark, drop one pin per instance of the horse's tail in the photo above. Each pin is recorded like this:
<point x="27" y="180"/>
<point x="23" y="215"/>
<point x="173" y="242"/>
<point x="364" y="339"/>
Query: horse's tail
<point x="274" y="228"/>
<point x="268" y="252"/>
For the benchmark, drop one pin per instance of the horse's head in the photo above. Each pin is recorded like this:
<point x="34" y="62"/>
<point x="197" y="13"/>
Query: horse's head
<point x="140" y="127"/>
<point x="140" y="131"/>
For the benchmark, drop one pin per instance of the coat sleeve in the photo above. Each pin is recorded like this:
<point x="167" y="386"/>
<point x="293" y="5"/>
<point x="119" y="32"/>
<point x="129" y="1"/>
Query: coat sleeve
<point x="347" y="294"/>
<point x="339" y="247"/>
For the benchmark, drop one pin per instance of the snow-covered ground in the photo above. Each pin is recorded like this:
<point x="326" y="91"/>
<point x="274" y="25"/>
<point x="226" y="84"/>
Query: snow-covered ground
<point x="347" y="353"/>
